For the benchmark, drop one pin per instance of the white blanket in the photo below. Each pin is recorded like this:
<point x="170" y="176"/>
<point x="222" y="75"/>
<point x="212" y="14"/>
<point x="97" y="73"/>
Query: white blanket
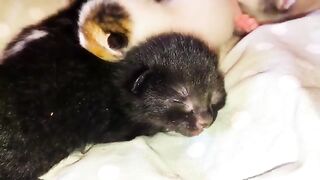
<point x="269" y="129"/>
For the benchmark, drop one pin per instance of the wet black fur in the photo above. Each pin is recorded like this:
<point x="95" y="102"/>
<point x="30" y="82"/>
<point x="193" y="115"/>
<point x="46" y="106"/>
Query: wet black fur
<point x="55" y="97"/>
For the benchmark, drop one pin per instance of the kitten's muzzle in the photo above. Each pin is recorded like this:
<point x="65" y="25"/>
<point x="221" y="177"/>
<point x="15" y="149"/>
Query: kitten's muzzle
<point x="203" y="120"/>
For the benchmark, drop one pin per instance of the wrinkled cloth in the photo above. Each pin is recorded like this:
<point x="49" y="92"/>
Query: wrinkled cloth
<point x="269" y="128"/>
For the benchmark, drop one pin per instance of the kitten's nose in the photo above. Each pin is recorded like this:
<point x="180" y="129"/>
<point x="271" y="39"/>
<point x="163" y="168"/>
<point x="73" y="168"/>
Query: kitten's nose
<point x="204" y="120"/>
<point x="202" y="124"/>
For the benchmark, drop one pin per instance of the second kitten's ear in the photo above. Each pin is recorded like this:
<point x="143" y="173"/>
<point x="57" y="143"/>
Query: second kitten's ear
<point x="104" y="29"/>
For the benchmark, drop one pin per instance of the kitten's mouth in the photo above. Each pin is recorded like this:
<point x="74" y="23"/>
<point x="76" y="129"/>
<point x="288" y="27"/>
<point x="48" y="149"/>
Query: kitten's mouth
<point x="194" y="128"/>
<point x="197" y="132"/>
<point x="190" y="132"/>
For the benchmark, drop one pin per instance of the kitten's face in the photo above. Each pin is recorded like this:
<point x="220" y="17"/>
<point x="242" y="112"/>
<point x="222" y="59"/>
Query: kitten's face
<point x="182" y="109"/>
<point x="271" y="11"/>
<point x="263" y="10"/>
<point x="173" y="105"/>
<point x="173" y="84"/>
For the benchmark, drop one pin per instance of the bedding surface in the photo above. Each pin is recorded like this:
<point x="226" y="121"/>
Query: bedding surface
<point x="32" y="11"/>
<point x="269" y="128"/>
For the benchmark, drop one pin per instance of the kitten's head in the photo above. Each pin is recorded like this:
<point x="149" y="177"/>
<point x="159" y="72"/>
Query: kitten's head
<point x="110" y="28"/>
<point x="272" y="11"/>
<point x="172" y="83"/>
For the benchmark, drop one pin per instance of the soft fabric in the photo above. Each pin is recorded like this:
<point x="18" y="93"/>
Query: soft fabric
<point x="269" y="128"/>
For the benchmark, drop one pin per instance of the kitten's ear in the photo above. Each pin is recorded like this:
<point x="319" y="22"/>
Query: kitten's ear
<point x="139" y="82"/>
<point x="105" y="29"/>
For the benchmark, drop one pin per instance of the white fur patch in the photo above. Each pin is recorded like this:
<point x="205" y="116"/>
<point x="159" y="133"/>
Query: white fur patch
<point x="82" y="39"/>
<point x="20" y="45"/>
<point x="88" y="8"/>
<point x="85" y="12"/>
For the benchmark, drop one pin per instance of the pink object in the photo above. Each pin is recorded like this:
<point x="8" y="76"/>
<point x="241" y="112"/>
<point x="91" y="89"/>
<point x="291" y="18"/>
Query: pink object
<point x="245" y="24"/>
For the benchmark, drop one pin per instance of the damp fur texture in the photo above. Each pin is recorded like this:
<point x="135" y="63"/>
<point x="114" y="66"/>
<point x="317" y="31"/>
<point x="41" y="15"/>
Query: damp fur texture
<point x="56" y="97"/>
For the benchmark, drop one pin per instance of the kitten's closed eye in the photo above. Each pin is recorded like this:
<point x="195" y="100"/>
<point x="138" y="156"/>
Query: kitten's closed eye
<point x="177" y="101"/>
<point x="182" y="103"/>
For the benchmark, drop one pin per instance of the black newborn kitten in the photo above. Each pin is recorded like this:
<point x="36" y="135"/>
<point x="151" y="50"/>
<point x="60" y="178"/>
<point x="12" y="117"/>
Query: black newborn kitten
<point x="52" y="105"/>
<point x="56" y="97"/>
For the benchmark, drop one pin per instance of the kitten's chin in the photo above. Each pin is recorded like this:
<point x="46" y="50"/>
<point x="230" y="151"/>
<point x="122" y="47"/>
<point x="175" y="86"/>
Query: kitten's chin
<point x="197" y="132"/>
<point x="190" y="133"/>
